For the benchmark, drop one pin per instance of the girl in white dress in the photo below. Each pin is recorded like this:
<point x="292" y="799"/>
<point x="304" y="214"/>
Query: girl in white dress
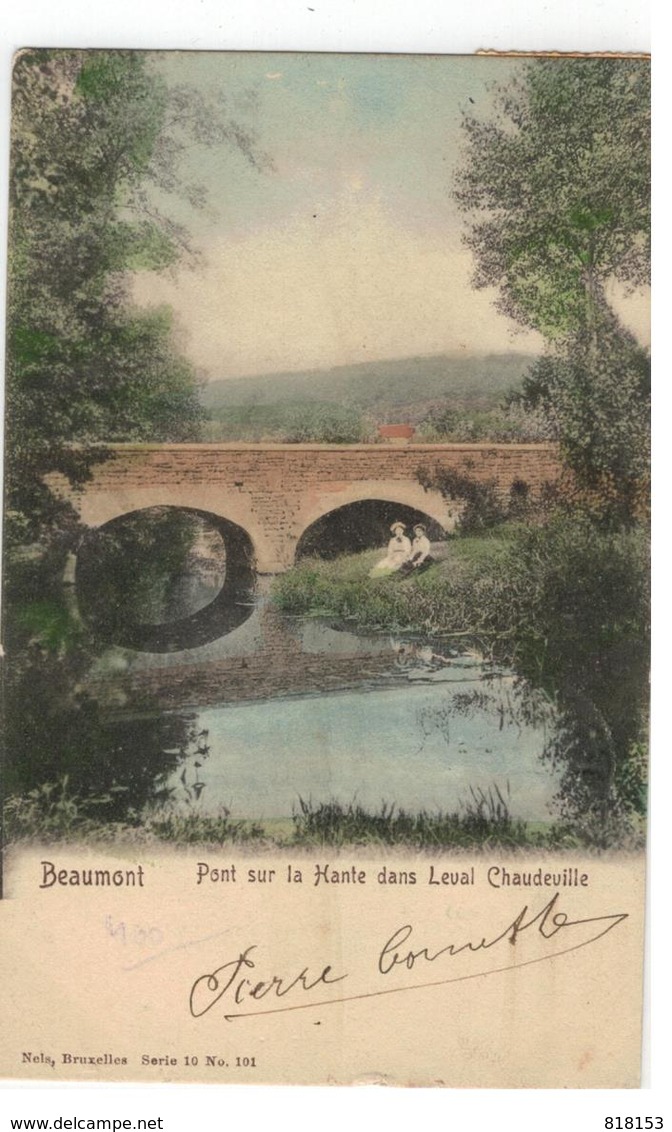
<point x="398" y="552"/>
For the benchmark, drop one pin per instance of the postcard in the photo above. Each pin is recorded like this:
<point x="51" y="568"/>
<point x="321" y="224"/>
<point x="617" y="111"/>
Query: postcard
<point x="325" y="594"/>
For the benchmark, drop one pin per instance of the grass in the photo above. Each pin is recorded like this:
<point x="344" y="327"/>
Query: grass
<point x="554" y="602"/>
<point x="194" y="828"/>
<point x="52" y="812"/>
<point x="483" y="822"/>
<point x="442" y="600"/>
<point x="53" y="815"/>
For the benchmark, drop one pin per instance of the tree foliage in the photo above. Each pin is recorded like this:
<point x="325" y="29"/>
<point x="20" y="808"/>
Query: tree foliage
<point x="597" y="403"/>
<point x="557" y="183"/>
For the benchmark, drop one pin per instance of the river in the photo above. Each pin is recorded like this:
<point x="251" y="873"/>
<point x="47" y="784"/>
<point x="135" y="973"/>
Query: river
<point x="282" y="709"/>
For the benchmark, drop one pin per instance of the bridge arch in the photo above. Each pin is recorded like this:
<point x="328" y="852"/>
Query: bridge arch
<point x="364" y="525"/>
<point x="97" y="508"/>
<point x="418" y="504"/>
<point x="108" y="575"/>
<point x="359" y="517"/>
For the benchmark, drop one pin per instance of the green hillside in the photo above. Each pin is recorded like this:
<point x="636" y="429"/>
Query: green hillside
<point x="380" y="388"/>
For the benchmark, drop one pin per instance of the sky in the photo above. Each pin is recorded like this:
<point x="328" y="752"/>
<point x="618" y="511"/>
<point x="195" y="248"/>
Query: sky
<point x="348" y="248"/>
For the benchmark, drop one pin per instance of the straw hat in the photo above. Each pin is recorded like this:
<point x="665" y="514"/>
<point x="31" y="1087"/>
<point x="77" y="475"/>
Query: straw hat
<point x="398" y="526"/>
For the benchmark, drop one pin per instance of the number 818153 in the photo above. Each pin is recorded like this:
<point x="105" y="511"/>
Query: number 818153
<point x="618" y="1122"/>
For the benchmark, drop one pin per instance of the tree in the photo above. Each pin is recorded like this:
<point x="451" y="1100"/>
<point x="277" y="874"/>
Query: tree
<point x="556" y="186"/>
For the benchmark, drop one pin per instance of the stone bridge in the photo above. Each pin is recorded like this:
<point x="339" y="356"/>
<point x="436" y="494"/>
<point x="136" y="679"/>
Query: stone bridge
<point x="275" y="492"/>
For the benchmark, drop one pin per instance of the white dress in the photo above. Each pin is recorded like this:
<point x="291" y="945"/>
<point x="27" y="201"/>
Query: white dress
<point x="398" y="552"/>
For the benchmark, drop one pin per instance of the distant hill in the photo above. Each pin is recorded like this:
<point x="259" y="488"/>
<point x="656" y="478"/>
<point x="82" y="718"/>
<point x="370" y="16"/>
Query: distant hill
<point x="406" y="387"/>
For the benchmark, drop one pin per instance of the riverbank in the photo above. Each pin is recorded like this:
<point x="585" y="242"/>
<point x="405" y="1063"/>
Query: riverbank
<point x="439" y="601"/>
<point x="561" y="610"/>
<point x="564" y="605"/>
<point x="544" y="598"/>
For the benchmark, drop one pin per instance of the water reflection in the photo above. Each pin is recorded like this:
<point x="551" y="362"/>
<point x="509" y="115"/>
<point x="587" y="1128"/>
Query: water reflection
<point x="404" y="744"/>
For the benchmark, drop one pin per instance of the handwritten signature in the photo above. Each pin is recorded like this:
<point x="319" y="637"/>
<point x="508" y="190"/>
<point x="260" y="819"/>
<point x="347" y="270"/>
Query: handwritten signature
<point x="237" y="983"/>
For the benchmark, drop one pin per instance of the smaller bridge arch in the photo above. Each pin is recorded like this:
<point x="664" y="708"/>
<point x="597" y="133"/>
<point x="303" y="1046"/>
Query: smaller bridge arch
<point x="404" y="493"/>
<point x="365" y="525"/>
